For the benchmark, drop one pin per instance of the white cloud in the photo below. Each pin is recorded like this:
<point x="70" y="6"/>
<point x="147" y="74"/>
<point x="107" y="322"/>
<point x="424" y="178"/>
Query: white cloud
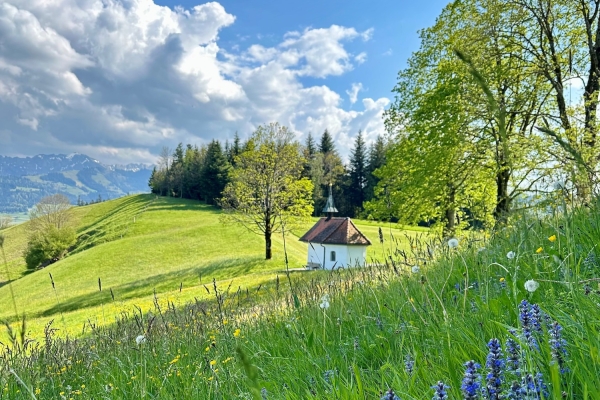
<point x="353" y="92"/>
<point x="361" y="57"/>
<point x="118" y="79"/>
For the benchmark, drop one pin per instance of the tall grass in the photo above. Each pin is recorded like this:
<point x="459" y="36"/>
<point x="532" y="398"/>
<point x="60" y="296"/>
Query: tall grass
<point x="390" y="329"/>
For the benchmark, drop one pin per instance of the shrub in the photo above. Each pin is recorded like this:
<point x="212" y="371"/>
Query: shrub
<point x="46" y="247"/>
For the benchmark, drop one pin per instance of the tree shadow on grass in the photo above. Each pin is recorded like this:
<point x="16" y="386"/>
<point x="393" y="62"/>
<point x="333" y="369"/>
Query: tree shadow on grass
<point x="219" y="270"/>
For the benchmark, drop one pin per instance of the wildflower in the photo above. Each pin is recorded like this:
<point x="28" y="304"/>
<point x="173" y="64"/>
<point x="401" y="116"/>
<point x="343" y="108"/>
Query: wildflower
<point x="510" y="255"/>
<point x="213" y="363"/>
<point x="590" y="261"/>
<point x="531" y="286"/>
<point x="526" y="319"/>
<point x="494" y="364"/>
<point x="453" y="243"/>
<point x="552" y="238"/>
<point x="324" y="302"/>
<point x="516" y="392"/>
<point x="535" y="387"/>
<point x="536" y="318"/>
<point x="440" y="391"/>
<point x="513" y="356"/>
<point x="471" y="382"/>
<point x="409" y="364"/>
<point x="141" y="339"/>
<point x="327" y="375"/>
<point x="539" y="250"/>
<point x="390" y="395"/>
<point x="236" y="333"/>
<point x="415" y="269"/>
<point x="557" y="346"/>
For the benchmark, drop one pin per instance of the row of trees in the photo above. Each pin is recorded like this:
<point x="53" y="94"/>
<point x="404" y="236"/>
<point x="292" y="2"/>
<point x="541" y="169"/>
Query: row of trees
<point x="202" y="173"/>
<point x="514" y="117"/>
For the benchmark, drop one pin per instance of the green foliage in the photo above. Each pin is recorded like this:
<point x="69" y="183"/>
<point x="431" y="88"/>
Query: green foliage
<point x="267" y="192"/>
<point x="214" y="175"/>
<point x="326" y="145"/>
<point x="48" y="246"/>
<point x="357" y="175"/>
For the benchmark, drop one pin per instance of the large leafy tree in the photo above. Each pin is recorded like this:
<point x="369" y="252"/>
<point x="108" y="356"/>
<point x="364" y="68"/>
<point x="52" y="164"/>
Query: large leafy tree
<point x="266" y="192"/>
<point x="448" y="134"/>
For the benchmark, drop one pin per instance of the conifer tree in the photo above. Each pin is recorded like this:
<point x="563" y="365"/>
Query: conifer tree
<point x="214" y="172"/>
<point x="326" y="146"/>
<point x="376" y="160"/>
<point x="357" y="175"/>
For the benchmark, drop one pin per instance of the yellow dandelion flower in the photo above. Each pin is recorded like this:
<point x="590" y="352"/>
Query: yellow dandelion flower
<point x="38" y="390"/>
<point x="176" y="359"/>
<point x="213" y="362"/>
<point x="207" y="349"/>
<point x="502" y="279"/>
<point x="552" y="238"/>
<point x="236" y="333"/>
<point x="225" y="322"/>
<point x="539" y="250"/>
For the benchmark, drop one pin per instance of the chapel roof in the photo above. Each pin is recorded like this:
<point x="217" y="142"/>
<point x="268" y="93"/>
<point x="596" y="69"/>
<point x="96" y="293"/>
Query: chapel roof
<point x="335" y="230"/>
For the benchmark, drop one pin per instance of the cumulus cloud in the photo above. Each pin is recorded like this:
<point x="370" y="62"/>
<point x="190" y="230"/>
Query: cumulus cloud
<point x="118" y="79"/>
<point x="353" y="92"/>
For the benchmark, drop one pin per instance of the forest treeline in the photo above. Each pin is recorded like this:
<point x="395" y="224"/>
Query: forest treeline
<point x="201" y="173"/>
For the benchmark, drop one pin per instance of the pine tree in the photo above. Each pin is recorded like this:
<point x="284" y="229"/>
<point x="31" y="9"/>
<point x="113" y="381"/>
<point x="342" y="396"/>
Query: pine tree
<point x="357" y="175"/>
<point x="215" y="171"/>
<point x="376" y="160"/>
<point x="310" y="151"/>
<point x="326" y="146"/>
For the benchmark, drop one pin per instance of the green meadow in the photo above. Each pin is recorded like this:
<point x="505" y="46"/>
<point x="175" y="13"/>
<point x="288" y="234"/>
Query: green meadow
<point x="136" y="248"/>
<point x="515" y="314"/>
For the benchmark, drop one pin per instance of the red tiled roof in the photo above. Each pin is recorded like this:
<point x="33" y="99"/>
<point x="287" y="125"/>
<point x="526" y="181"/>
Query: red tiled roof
<point x="335" y="231"/>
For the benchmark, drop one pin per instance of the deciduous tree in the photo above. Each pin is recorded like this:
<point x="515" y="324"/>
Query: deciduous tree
<point x="267" y="192"/>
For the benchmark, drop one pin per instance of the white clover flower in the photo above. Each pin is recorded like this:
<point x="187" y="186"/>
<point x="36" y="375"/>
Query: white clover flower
<point x="141" y="339"/>
<point x="531" y="286"/>
<point x="510" y="255"/>
<point x="453" y="243"/>
<point x="415" y="269"/>
<point x="324" y="302"/>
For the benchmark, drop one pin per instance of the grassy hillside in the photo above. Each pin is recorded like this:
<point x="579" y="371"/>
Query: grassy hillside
<point x="516" y="316"/>
<point x="141" y="245"/>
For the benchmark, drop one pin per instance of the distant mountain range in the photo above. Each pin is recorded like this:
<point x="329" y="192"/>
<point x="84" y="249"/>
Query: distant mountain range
<point x="25" y="180"/>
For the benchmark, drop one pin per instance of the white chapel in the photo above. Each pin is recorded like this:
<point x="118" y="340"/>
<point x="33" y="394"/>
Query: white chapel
<point x="335" y="242"/>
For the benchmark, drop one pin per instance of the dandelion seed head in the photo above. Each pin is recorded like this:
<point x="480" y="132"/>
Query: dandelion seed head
<point x="531" y="286"/>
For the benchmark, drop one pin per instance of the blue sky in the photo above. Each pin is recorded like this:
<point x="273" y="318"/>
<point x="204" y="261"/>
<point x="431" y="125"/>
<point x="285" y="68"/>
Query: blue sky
<point x="395" y="27"/>
<point x="120" y="79"/>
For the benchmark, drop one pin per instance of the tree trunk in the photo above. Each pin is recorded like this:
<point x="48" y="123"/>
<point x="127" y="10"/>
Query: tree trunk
<point x="502" y="199"/>
<point x="450" y="216"/>
<point x="268" y="254"/>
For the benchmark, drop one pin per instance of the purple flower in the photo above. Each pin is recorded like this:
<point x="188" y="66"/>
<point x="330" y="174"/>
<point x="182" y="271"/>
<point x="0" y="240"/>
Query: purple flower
<point x="557" y="346"/>
<point x="535" y="387"/>
<point x="528" y="323"/>
<point x="390" y="395"/>
<point x="409" y="364"/>
<point x="440" y="391"/>
<point x="494" y="364"/>
<point x="536" y="318"/>
<point x="513" y="356"/>
<point x="471" y="383"/>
